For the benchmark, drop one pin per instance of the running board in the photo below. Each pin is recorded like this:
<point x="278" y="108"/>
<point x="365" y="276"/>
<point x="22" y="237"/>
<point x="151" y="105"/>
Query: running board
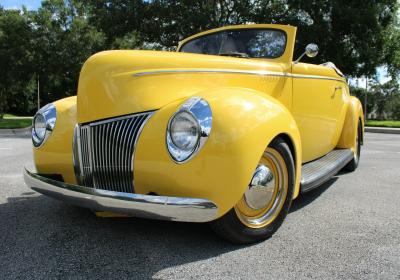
<point x="317" y="172"/>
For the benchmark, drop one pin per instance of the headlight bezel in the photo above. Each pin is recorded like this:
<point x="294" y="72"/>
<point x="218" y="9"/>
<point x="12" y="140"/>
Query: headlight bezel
<point x="49" y="114"/>
<point x="200" y="110"/>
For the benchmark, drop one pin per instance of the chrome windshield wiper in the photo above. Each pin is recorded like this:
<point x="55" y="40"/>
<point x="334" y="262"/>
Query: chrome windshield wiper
<point x="235" y="54"/>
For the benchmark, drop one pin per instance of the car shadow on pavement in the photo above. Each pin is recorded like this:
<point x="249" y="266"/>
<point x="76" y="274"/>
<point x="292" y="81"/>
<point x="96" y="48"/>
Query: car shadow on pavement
<point x="44" y="238"/>
<point x="305" y="199"/>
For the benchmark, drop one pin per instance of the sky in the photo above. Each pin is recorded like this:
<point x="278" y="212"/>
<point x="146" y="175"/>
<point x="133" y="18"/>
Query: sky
<point x="381" y="73"/>
<point x="35" y="4"/>
<point x="17" y="4"/>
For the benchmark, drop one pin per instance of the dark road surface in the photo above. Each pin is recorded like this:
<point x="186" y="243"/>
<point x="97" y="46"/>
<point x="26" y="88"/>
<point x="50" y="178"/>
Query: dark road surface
<point x="347" y="229"/>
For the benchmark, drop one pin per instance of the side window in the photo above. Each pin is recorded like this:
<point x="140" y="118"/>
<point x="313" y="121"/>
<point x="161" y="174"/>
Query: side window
<point x="205" y="45"/>
<point x="267" y="44"/>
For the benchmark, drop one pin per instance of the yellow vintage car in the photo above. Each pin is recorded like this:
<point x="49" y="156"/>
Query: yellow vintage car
<point x="228" y="130"/>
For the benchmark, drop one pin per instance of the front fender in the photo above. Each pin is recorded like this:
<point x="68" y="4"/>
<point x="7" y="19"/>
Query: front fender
<point x="244" y="123"/>
<point x="55" y="156"/>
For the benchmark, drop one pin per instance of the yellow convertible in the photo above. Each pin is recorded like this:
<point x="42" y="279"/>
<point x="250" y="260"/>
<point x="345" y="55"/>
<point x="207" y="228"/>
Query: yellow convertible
<point x="228" y="130"/>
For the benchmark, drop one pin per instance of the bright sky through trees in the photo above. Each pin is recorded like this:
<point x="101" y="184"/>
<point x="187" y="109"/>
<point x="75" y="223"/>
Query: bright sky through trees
<point x="17" y="4"/>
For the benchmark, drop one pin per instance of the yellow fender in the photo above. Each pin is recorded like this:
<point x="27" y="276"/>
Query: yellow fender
<point x="244" y="123"/>
<point x="354" y="113"/>
<point x="55" y="156"/>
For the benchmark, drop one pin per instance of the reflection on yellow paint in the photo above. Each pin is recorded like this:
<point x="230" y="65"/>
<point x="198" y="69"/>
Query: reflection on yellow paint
<point x="252" y="102"/>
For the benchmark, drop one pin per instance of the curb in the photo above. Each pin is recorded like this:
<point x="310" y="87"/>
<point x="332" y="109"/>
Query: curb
<point x="388" y="130"/>
<point x="16" y="132"/>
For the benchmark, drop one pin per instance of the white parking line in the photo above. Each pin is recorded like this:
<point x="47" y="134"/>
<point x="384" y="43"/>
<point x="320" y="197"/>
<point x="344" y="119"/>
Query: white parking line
<point x="11" y="176"/>
<point x="378" y="152"/>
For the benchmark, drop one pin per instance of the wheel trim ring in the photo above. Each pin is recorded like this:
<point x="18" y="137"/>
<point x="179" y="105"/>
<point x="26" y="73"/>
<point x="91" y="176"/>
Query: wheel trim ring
<point x="357" y="151"/>
<point x="246" y="209"/>
<point x="269" y="213"/>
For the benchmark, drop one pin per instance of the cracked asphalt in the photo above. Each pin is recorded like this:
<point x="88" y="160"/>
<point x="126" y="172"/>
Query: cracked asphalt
<point x="349" y="228"/>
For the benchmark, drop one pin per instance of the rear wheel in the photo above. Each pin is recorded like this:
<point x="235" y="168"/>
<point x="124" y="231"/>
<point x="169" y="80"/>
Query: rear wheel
<point x="353" y="164"/>
<point x="266" y="202"/>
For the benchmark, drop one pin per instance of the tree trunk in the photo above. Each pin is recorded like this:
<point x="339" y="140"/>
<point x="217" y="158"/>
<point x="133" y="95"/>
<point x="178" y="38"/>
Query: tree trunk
<point x="2" y="104"/>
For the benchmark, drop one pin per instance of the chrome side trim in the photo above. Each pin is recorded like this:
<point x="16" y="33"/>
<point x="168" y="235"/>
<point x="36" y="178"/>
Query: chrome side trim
<point x="181" y="209"/>
<point x="317" y="172"/>
<point x="201" y="70"/>
<point x="301" y="76"/>
<point x="233" y="71"/>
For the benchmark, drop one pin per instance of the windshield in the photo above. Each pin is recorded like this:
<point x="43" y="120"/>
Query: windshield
<point x="254" y="43"/>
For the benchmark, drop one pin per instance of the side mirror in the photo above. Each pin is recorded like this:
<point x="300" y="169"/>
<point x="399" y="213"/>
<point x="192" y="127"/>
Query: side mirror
<point x="311" y="51"/>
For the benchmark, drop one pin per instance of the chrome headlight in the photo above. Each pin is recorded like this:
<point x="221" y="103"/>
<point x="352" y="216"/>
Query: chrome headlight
<point x="188" y="129"/>
<point x="43" y="124"/>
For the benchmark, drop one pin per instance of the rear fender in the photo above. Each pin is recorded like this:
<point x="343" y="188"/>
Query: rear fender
<point x="353" y="116"/>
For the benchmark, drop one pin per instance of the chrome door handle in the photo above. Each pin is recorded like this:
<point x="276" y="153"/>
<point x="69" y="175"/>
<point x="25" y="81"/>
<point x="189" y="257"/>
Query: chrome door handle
<point x="334" y="92"/>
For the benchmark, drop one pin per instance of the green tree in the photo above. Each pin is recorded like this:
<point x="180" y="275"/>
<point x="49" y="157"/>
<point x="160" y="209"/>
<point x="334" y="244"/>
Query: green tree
<point x="118" y="20"/>
<point x="170" y="21"/>
<point x="394" y="108"/>
<point x="16" y="78"/>
<point x="383" y="99"/>
<point x="130" y="40"/>
<point x="63" y="41"/>
<point x="392" y="49"/>
<point x="391" y="91"/>
<point x="53" y="42"/>
<point x="351" y="33"/>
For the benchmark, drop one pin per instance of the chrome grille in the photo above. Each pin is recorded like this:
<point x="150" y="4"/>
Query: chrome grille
<point x="103" y="152"/>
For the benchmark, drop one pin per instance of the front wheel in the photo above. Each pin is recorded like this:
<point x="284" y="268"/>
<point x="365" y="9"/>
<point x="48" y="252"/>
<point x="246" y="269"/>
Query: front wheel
<point x="266" y="202"/>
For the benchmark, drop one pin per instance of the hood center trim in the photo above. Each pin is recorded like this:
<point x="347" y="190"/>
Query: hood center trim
<point x="233" y="71"/>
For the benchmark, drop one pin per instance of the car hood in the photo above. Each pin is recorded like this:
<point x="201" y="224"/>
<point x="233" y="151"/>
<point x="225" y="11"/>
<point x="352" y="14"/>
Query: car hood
<point x="115" y="83"/>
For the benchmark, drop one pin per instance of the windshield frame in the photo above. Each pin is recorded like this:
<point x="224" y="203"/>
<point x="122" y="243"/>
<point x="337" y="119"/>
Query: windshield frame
<point x="238" y="29"/>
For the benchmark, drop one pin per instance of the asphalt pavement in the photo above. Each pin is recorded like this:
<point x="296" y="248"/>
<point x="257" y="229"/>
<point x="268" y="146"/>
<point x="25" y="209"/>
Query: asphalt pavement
<point x="349" y="228"/>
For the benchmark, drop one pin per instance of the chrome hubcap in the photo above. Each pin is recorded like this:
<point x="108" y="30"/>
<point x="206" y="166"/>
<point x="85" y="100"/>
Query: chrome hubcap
<point x="266" y="192"/>
<point x="261" y="188"/>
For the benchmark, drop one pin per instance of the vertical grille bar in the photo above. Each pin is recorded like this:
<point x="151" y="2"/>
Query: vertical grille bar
<point x="121" y="143"/>
<point x="87" y="172"/>
<point x="101" y="162"/>
<point x="105" y="150"/>
<point x="106" y="164"/>
<point x="129" y="151"/>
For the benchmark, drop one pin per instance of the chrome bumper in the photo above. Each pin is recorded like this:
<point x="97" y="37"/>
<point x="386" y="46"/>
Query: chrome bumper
<point x="146" y="206"/>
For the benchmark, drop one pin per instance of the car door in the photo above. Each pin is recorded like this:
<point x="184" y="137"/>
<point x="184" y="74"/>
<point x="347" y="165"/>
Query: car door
<point x="318" y="108"/>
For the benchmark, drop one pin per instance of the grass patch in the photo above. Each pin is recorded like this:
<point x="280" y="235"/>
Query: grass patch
<point x="10" y="116"/>
<point x="11" y="121"/>
<point x="382" y="123"/>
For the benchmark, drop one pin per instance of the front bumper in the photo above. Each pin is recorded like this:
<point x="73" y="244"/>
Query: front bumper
<point x="181" y="209"/>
